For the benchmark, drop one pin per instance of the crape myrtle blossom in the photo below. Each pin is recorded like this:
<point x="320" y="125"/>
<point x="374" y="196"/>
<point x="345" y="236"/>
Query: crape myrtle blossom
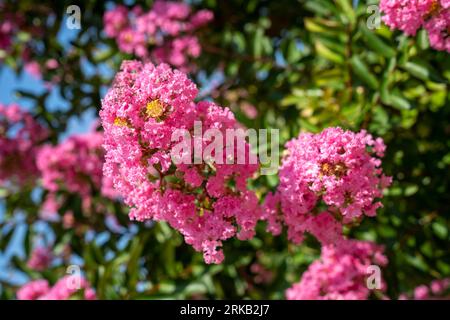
<point x="18" y="38"/>
<point x="41" y="258"/>
<point x="326" y="180"/>
<point x="435" y="290"/>
<point x="75" y="166"/>
<point x="411" y="15"/>
<point x="168" y="28"/>
<point x="64" y="289"/>
<point x="207" y="201"/>
<point x="20" y="136"/>
<point x="340" y="273"/>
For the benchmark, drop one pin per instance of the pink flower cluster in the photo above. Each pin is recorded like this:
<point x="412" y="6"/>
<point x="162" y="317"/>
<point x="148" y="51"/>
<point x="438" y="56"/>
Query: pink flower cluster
<point x="41" y="258"/>
<point x="340" y="273"/>
<point x="20" y="135"/>
<point x="410" y="15"/>
<point x="326" y="180"/>
<point x="36" y="70"/>
<point x="64" y="289"/>
<point x="433" y="291"/>
<point x="207" y="202"/>
<point x="168" y="27"/>
<point x="75" y="165"/>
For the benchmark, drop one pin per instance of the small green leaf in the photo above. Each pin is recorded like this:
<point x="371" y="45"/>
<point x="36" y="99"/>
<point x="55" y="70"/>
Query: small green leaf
<point x="363" y="73"/>
<point x="375" y="43"/>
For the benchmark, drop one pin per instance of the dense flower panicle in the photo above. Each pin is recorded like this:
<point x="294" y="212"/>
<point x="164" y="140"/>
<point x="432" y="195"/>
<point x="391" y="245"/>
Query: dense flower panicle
<point x="33" y="290"/>
<point x="411" y="15"/>
<point x="439" y="286"/>
<point x="20" y="136"/>
<point x="340" y="273"/>
<point x="64" y="289"/>
<point x="208" y="202"/>
<point x="339" y="168"/>
<point x="41" y="258"/>
<point x="75" y="165"/>
<point x="435" y="290"/>
<point x="168" y="28"/>
<point x="115" y="20"/>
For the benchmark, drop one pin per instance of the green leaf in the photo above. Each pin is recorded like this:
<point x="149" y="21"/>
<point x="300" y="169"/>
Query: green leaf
<point x="440" y="230"/>
<point x="398" y="102"/>
<point x="375" y="43"/>
<point x="327" y="53"/>
<point x="417" y="70"/>
<point x="363" y="73"/>
<point x="347" y="9"/>
<point x="293" y="53"/>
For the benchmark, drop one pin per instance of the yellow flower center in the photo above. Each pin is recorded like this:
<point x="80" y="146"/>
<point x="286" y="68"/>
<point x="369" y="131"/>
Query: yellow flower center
<point x="154" y="109"/>
<point x="128" y="38"/>
<point x="328" y="169"/>
<point x="434" y="9"/>
<point x="121" y="122"/>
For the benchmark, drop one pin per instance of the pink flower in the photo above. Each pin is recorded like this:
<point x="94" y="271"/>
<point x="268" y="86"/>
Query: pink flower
<point x="249" y="110"/>
<point x="50" y="207"/>
<point x="410" y="15"/>
<point x="437" y="27"/>
<point x="261" y="274"/>
<point x="34" y="69"/>
<point x="64" y="289"/>
<point x="421" y="292"/>
<point x="6" y="30"/>
<point x="439" y="286"/>
<point x="51" y="64"/>
<point x="40" y="259"/>
<point x="168" y="28"/>
<point x="338" y="167"/>
<point x="115" y="20"/>
<point x="201" y="18"/>
<point x="33" y="290"/>
<point x="178" y="51"/>
<point x="340" y="273"/>
<point x="75" y="165"/>
<point x="206" y="202"/>
<point x="130" y="41"/>
<point x="432" y="291"/>
<point x="20" y="135"/>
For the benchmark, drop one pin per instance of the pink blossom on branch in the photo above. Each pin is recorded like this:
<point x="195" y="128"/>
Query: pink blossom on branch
<point x="166" y="33"/>
<point x="339" y="169"/>
<point x="33" y="290"/>
<point x="435" y="290"/>
<point x="411" y="15"/>
<point x="64" y="289"/>
<point x="75" y="165"/>
<point x="41" y="258"/>
<point x="340" y="273"/>
<point x="20" y="136"/>
<point x="207" y="202"/>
